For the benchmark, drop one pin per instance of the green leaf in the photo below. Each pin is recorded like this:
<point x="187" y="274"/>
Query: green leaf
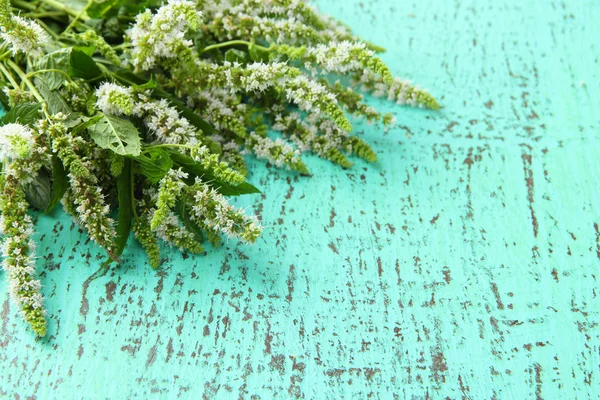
<point x="196" y="169"/>
<point x="38" y="192"/>
<point x="87" y="50"/>
<point x="99" y="9"/>
<point x="184" y="216"/>
<point x="125" y="214"/>
<point x="56" y="60"/>
<point x="25" y="114"/>
<point x="235" y="55"/>
<point x="82" y="65"/>
<point x="86" y="123"/>
<point x="258" y="54"/>
<point x="60" y="183"/>
<point x="75" y="62"/>
<point x="151" y="84"/>
<point x="116" y="134"/>
<point x="56" y="103"/>
<point x="154" y="163"/>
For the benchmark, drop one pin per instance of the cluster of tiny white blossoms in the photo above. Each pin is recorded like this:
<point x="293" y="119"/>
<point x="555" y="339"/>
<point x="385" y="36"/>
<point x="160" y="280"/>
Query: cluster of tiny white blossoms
<point x="92" y="210"/>
<point x="345" y="57"/>
<point x="162" y="35"/>
<point x="169" y="228"/>
<point x="21" y="34"/>
<point x="19" y="156"/>
<point x="222" y="109"/>
<point x="212" y="210"/>
<point x="84" y="199"/>
<point x="16" y="141"/>
<point x="289" y="21"/>
<point x="18" y="250"/>
<point x="162" y="120"/>
<point x="168" y="191"/>
<point x="277" y="152"/>
<point x="114" y="99"/>
<point x="171" y="231"/>
<point x="399" y="90"/>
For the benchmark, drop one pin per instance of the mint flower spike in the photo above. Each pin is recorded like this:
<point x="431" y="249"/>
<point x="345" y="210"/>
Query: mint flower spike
<point x="211" y="209"/>
<point x="16" y="141"/>
<point x="161" y="36"/>
<point x="143" y="233"/>
<point x="104" y="48"/>
<point x="168" y="191"/>
<point x="171" y="231"/>
<point x="21" y="161"/>
<point x="399" y="90"/>
<point x="276" y="152"/>
<point x="337" y="57"/>
<point x="87" y="201"/>
<point x="307" y="94"/>
<point x="114" y="99"/>
<point x="21" y="34"/>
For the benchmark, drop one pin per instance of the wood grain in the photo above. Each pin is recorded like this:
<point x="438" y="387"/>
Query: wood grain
<point x="463" y="264"/>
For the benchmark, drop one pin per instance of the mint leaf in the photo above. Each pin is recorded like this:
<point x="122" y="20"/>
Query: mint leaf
<point x="99" y="9"/>
<point x="125" y="215"/>
<point x="25" y="114"/>
<point x="116" y="134"/>
<point x="60" y="183"/>
<point x="154" y="164"/>
<point x="82" y="65"/>
<point x="184" y="216"/>
<point x="56" y="103"/>
<point x="38" y="192"/>
<point x="73" y="61"/>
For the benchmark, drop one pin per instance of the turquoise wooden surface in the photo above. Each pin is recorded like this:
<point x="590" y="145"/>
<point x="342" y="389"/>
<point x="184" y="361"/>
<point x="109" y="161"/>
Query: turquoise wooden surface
<point x="463" y="264"/>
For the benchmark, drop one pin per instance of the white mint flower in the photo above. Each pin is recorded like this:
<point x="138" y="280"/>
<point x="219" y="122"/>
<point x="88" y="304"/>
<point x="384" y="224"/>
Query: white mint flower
<point x="16" y="141"/>
<point x="212" y="210"/>
<point x="161" y="119"/>
<point x="114" y="99"/>
<point x="164" y="121"/>
<point x="162" y="36"/>
<point x="276" y="152"/>
<point x="24" y="35"/>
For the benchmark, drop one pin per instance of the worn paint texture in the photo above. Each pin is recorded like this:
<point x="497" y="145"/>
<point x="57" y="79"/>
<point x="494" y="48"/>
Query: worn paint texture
<point x="463" y="264"/>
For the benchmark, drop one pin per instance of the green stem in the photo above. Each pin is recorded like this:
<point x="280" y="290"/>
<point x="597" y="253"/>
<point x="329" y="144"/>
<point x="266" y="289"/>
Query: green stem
<point x="25" y="79"/>
<point x="47" y="28"/>
<point x="232" y="43"/>
<point x="60" y="6"/>
<point x="78" y="17"/>
<point x="123" y="46"/>
<point x="183" y="146"/>
<point x="45" y="14"/>
<point x="24" y="5"/>
<point x="9" y="76"/>
<point x="5" y="54"/>
<point x="40" y="71"/>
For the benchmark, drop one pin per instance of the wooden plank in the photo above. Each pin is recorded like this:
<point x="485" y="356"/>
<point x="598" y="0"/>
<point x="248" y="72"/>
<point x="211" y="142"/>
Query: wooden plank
<point x="463" y="264"/>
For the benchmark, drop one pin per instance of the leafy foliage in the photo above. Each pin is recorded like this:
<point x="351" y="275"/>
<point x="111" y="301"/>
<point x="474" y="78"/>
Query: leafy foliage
<point x="116" y="134"/>
<point x="145" y="110"/>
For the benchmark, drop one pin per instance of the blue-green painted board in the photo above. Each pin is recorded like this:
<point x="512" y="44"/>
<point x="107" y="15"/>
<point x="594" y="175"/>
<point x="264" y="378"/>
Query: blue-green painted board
<point x="463" y="264"/>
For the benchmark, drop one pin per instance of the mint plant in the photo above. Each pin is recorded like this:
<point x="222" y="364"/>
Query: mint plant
<point x="137" y="117"/>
